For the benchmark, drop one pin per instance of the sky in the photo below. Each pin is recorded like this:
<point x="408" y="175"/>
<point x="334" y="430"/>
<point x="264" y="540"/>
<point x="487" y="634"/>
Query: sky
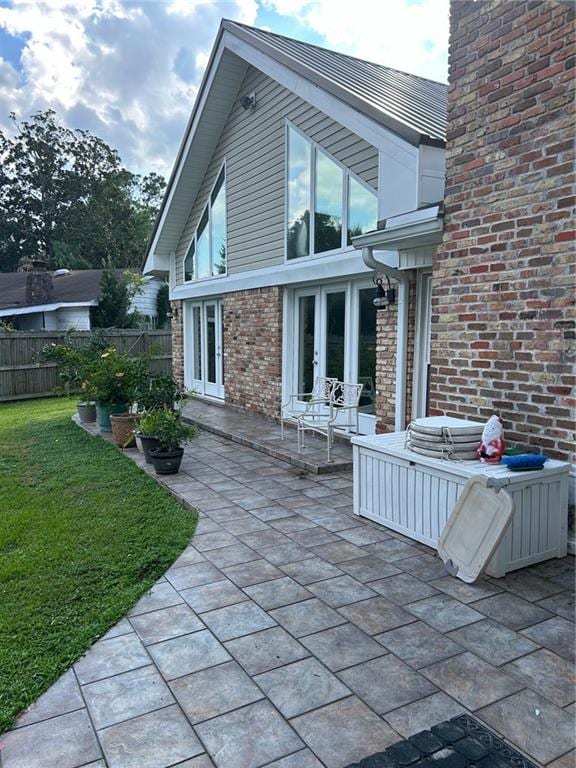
<point x="129" y="71"/>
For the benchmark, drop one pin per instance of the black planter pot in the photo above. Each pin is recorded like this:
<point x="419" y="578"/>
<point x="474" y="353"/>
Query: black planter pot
<point x="166" y="462"/>
<point x="148" y="443"/>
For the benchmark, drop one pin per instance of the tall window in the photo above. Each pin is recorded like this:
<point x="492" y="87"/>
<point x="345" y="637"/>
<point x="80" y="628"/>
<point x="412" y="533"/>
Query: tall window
<point x="342" y="206"/>
<point x="206" y="256"/>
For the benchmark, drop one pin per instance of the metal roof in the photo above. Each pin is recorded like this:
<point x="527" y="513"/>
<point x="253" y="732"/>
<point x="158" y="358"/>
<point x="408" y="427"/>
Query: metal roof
<point x="384" y="93"/>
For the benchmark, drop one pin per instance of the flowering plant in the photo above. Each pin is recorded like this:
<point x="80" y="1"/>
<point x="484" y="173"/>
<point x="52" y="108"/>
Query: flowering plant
<point x="114" y="377"/>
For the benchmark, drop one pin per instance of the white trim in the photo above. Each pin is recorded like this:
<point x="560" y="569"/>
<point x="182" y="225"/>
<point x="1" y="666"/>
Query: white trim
<point x="34" y="308"/>
<point x="421" y="342"/>
<point x="341" y="265"/>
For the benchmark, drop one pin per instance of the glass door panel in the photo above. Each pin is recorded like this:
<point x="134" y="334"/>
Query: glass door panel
<point x="211" y="351"/>
<point x="204" y="345"/>
<point x="306" y="347"/>
<point x="367" y="349"/>
<point x="196" y="344"/>
<point x="334" y="335"/>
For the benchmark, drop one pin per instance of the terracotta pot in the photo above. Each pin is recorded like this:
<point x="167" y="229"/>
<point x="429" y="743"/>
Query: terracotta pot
<point x="123" y="426"/>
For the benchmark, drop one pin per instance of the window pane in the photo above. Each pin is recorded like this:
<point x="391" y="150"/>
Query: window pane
<point x="189" y="263"/>
<point x="219" y="226"/>
<point x="197" y="337"/>
<point x="367" y="349"/>
<point x="203" y="246"/>
<point x="335" y="323"/>
<point x="306" y="307"/>
<point x="362" y="210"/>
<point x="211" y="343"/>
<point x="328" y="213"/>
<point x="299" y="181"/>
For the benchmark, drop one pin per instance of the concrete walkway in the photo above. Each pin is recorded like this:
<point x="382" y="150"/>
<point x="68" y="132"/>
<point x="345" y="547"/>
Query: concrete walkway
<point x="292" y="634"/>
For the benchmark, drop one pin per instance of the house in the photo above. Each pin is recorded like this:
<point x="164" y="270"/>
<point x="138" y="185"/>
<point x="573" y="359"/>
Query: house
<point x="37" y="299"/>
<point x="291" y="151"/>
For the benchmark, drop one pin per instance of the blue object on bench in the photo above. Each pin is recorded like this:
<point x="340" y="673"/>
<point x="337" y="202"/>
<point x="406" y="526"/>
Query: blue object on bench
<point x="525" y="462"/>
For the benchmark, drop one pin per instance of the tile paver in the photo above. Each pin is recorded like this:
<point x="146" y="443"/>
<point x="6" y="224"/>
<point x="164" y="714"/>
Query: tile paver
<point x="316" y="618"/>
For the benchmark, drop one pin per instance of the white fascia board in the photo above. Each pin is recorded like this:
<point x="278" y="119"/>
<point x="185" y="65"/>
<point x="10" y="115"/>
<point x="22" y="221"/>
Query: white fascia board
<point x="347" y="264"/>
<point x="34" y="308"/>
<point x="409" y="236"/>
<point x="413" y="217"/>
<point x="363" y="126"/>
<point x="156" y="264"/>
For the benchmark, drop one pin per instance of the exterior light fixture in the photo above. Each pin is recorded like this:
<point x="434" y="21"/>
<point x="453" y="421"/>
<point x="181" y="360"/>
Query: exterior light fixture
<point x="384" y="297"/>
<point x="248" y="102"/>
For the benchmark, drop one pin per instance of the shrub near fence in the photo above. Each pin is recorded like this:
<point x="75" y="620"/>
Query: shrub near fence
<point x="23" y="376"/>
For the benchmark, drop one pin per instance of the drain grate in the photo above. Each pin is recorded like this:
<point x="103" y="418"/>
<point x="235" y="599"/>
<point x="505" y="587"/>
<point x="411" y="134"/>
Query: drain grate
<point x="462" y="742"/>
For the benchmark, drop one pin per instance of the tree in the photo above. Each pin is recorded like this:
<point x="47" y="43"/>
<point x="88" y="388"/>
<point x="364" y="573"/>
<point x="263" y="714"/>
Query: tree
<point x="113" y="310"/>
<point x="163" y="304"/>
<point x="65" y="195"/>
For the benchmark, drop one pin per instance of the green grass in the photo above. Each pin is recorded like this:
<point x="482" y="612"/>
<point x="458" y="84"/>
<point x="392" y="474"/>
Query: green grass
<point x="83" y="534"/>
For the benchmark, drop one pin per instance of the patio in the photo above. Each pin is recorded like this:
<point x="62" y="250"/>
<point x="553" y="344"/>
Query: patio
<point x="288" y="618"/>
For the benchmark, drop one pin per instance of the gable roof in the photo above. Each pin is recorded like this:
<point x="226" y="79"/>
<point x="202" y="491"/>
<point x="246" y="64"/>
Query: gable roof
<point x="411" y="107"/>
<point x="388" y="95"/>
<point x="80" y="285"/>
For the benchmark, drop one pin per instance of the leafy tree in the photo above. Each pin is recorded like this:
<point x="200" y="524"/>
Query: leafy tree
<point x="163" y="304"/>
<point x="64" y="194"/>
<point x="113" y="310"/>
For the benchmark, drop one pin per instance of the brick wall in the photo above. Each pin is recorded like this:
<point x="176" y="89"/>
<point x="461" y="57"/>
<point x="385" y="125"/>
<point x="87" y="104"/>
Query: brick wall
<point x="253" y="349"/>
<point x="177" y="342"/>
<point x="386" y="323"/>
<point x="503" y="287"/>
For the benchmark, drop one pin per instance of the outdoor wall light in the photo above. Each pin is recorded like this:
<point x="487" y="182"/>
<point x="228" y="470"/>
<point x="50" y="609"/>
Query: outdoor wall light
<point x="384" y="297"/>
<point x="248" y="102"/>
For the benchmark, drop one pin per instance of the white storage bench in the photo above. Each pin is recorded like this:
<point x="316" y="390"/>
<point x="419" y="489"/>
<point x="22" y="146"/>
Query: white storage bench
<point x="414" y="495"/>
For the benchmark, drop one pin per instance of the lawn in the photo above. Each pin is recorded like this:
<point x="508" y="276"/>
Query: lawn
<point x="83" y="534"/>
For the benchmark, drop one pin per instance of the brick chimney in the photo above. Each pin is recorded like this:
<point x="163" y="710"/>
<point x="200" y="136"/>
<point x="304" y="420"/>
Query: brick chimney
<point x="38" y="284"/>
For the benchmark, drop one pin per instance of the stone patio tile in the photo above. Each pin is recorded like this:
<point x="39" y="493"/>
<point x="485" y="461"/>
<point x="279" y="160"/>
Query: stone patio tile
<point x="300" y="687"/>
<point x="376" y="615"/>
<point x="344" y="732"/>
<point x="66" y="741"/>
<point x="369" y="568"/>
<point x="418" y="644"/>
<point x="303" y="759"/>
<point x="306" y="617"/>
<point x="562" y="604"/>
<point x="260" y="540"/>
<point x="512" y="611"/>
<point x="425" y="567"/>
<point x="193" y="575"/>
<point x="122" y="627"/>
<point x="364" y="535"/>
<point x="245" y="525"/>
<point x="161" y="595"/>
<point x="527" y="585"/>
<point x="403" y="588"/>
<point x="341" y="590"/>
<point x="253" y="501"/>
<point x="252" y="573"/>
<point x="493" y="642"/>
<point x="307" y="571"/>
<point x="125" y="696"/>
<point x="538" y="727"/>
<point x="206" y="541"/>
<point x="566" y="761"/>
<point x="339" y="551"/>
<point x="546" y="673"/>
<point x="471" y="680"/>
<point x="249" y="737"/>
<point x="466" y="593"/>
<point x="286" y="553"/>
<point x="565" y="580"/>
<point x="156" y="740"/>
<point x="278" y="592"/>
<point x="266" y="650"/>
<point x="62" y="697"/>
<point x="228" y="513"/>
<point x="557" y="634"/>
<point x="237" y="620"/>
<point x="386" y="683"/>
<point x="214" y="691"/>
<point x="421" y="715"/>
<point x="206" y="525"/>
<point x="190" y="556"/>
<point x="444" y="613"/>
<point x="334" y="522"/>
<point x="313" y="537"/>
<point x="234" y="555"/>
<point x="343" y="646"/>
<point x="319" y="492"/>
<point x="293" y="524"/>
<point x="187" y="654"/>
<point x="392" y="550"/>
<point x="203" y="761"/>
<point x="208" y="597"/>
<point x="166" y="623"/>
<point x="110" y="657"/>
<point x="272" y="512"/>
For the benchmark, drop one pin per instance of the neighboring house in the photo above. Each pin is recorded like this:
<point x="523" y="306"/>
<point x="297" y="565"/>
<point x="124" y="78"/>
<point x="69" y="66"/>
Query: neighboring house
<point x="291" y="150"/>
<point x="41" y="300"/>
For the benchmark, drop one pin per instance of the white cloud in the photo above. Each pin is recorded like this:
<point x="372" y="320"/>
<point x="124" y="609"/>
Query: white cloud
<point x="410" y="35"/>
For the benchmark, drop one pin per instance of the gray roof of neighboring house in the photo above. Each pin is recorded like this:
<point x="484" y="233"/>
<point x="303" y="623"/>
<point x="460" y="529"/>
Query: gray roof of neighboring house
<point x="386" y="94"/>
<point x="78" y="285"/>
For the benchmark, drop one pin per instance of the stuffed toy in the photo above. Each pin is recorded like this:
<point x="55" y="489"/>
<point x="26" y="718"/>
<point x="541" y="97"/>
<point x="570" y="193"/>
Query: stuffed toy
<point x="492" y="446"/>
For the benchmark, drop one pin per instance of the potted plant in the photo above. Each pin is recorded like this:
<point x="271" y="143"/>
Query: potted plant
<point x="170" y="432"/>
<point x="112" y="379"/>
<point x="86" y="411"/>
<point x="146" y="434"/>
<point x="73" y="363"/>
<point x="160" y="391"/>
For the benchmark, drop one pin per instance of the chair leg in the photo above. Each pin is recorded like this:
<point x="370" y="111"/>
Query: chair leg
<point x="281" y="427"/>
<point x="329" y="445"/>
<point x="299" y="438"/>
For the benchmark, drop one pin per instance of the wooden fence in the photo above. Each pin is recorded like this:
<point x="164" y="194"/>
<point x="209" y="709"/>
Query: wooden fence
<point x="23" y="376"/>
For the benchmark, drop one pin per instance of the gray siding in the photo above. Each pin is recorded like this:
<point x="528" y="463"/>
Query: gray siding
<point x="253" y="144"/>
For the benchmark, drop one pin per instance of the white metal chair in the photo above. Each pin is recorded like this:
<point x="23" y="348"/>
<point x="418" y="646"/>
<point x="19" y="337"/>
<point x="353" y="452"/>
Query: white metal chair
<point x="320" y="395"/>
<point x="344" y="397"/>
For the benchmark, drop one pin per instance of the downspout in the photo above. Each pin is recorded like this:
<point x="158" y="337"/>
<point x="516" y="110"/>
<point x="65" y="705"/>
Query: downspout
<point x="401" y="332"/>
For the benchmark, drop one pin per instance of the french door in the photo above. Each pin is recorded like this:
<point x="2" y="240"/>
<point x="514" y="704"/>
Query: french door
<point x="204" y="369"/>
<point x="332" y="332"/>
